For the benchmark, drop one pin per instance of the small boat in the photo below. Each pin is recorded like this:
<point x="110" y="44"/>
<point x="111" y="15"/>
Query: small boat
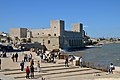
<point x="91" y="46"/>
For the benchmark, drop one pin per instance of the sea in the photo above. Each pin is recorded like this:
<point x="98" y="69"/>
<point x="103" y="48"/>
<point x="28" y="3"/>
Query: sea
<point x="104" y="55"/>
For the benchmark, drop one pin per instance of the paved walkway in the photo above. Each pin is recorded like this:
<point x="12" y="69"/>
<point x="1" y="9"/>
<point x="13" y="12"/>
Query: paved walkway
<point x="52" y="71"/>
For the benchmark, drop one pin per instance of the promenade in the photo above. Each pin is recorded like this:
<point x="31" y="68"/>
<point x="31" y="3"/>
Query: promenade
<point x="53" y="71"/>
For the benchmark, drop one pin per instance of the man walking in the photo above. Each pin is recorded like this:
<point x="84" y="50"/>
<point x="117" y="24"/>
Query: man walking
<point x="16" y="56"/>
<point x="22" y="65"/>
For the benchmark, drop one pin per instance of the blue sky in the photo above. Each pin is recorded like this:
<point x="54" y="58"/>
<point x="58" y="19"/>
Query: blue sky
<point x="101" y="18"/>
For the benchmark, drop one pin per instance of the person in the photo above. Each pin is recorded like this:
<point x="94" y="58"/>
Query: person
<point x="16" y="56"/>
<point x="52" y="56"/>
<point x="71" y="59"/>
<point x="111" y="68"/>
<point x="0" y="64"/>
<point x="44" y="57"/>
<point x="37" y="52"/>
<point x="59" y="55"/>
<point x="81" y="62"/>
<point x="13" y="57"/>
<point x="30" y="57"/>
<point x="38" y="66"/>
<point x="22" y="65"/>
<point x="25" y="57"/>
<point x="27" y="72"/>
<point x="32" y="71"/>
<point x="66" y="62"/>
<point x="31" y="62"/>
<point x="4" y="54"/>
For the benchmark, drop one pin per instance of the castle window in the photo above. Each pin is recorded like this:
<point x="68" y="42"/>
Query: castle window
<point x="42" y="33"/>
<point x="49" y="35"/>
<point x="37" y="33"/>
<point x="54" y="34"/>
<point x="48" y="41"/>
<point x="54" y="26"/>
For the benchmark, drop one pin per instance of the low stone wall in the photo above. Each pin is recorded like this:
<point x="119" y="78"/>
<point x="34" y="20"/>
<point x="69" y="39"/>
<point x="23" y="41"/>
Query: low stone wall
<point x="96" y="66"/>
<point x="87" y="64"/>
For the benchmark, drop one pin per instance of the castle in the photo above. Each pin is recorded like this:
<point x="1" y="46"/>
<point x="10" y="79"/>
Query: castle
<point x="55" y="37"/>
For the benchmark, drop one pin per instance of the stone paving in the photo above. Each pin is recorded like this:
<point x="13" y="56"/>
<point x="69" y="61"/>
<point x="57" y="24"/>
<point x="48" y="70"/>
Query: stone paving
<point x="52" y="71"/>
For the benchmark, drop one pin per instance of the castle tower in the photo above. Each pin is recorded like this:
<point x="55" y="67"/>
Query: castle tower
<point x="57" y="27"/>
<point x="77" y="27"/>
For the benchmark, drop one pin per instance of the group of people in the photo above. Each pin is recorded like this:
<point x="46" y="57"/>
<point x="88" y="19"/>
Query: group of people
<point x="47" y="57"/>
<point x="27" y="57"/>
<point x="71" y="60"/>
<point x="29" y="69"/>
<point x="15" y="56"/>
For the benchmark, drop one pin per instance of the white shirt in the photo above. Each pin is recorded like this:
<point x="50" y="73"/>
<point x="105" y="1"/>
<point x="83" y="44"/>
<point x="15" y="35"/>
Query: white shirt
<point x="81" y="60"/>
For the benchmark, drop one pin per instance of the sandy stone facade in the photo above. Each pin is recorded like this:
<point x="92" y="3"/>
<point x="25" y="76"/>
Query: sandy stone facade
<point x="55" y="37"/>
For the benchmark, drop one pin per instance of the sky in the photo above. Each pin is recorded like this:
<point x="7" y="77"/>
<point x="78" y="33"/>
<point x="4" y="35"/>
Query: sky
<point x="101" y="18"/>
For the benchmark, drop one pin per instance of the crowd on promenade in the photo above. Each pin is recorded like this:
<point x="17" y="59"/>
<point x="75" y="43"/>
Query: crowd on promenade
<point x="45" y="58"/>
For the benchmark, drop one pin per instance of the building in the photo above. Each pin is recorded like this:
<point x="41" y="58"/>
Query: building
<point x="4" y="37"/>
<point x="18" y="32"/>
<point x="55" y="37"/>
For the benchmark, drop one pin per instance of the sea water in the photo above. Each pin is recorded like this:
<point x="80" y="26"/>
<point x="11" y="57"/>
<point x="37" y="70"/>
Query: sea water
<point x="108" y="53"/>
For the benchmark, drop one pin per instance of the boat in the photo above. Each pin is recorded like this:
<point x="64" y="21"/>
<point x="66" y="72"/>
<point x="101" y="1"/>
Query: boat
<point x="92" y="46"/>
